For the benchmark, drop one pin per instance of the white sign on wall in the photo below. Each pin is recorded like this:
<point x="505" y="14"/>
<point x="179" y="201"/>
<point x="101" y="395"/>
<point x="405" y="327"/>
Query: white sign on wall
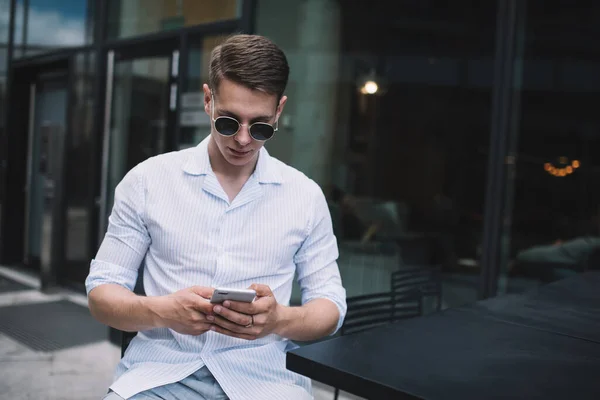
<point x="192" y="100"/>
<point x="194" y="118"/>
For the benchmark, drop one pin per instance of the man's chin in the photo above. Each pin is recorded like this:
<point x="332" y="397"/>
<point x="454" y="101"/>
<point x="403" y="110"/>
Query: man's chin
<point x="239" y="161"/>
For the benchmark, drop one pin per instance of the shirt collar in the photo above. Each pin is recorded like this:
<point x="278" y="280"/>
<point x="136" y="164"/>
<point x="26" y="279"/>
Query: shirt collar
<point x="198" y="163"/>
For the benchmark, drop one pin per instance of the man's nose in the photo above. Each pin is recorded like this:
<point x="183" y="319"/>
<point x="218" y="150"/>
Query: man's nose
<point x="243" y="136"/>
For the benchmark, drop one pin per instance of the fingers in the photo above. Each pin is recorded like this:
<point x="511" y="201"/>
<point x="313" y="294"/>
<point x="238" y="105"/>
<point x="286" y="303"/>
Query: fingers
<point x="231" y="316"/>
<point x="241" y="307"/>
<point x="196" y="324"/>
<point x="262" y="305"/>
<point x="202" y="303"/>
<point x="231" y="326"/>
<point x="261" y="290"/>
<point x="225" y="331"/>
<point x="231" y="323"/>
<point x="201" y="318"/>
<point x="257" y="306"/>
<point x="196" y="329"/>
<point x="203" y="291"/>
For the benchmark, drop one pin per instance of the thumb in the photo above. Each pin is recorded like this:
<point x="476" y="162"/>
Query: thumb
<point x="202" y="291"/>
<point x="261" y="290"/>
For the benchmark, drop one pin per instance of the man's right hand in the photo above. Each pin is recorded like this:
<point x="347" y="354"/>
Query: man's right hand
<point x="185" y="311"/>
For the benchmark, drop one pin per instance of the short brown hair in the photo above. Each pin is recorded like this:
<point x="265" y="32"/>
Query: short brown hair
<point x="252" y="61"/>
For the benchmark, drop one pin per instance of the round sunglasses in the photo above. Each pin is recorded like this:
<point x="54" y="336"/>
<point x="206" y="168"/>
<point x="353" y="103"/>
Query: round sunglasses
<point x="229" y="126"/>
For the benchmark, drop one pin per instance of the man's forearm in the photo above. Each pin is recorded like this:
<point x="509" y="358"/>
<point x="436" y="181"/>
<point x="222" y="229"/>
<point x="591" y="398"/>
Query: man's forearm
<point x="122" y="309"/>
<point x="311" y="321"/>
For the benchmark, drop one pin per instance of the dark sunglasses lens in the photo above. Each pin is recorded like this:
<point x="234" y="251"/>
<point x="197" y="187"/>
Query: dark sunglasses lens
<point x="226" y="126"/>
<point x="260" y="131"/>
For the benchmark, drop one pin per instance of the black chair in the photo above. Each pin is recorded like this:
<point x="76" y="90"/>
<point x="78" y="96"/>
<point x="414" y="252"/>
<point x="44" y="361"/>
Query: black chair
<point x="126" y="338"/>
<point x="424" y="279"/>
<point x="371" y="310"/>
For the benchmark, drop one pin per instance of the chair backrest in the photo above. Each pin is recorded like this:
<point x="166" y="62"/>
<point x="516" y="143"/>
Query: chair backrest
<point x="424" y="279"/>
<point x="371" y="310"/>
<point x="126" y="338"/>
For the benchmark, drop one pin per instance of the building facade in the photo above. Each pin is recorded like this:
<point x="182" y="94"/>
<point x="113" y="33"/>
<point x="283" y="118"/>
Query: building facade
<point x="440" y="137"/>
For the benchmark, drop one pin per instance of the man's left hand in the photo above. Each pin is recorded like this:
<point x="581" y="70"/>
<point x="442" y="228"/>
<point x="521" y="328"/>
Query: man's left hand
<point x="248" y="320"/>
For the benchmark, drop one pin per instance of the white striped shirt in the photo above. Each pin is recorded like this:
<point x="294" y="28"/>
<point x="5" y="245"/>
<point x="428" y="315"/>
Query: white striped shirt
<point x="171" y="214"/>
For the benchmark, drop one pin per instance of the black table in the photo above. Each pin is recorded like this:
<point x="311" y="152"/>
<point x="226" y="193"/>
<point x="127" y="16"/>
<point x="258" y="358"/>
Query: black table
<point x="569" y="307"/>
<point x="542" y="345"/>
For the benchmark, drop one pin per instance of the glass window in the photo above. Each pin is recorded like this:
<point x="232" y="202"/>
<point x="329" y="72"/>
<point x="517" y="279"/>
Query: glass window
<point x="137" y="17"/>
<point x="390" y="113"/>
<point x="140" y="110"/>
<point x="78" y="155"/>
<point x="3" y="69"/>
<point x="4" y="22"/>
<point x="552" y="215"/>
<point x="195" y="124"/>
<point x="42" y="25"/>
<point x="3" y="62"/>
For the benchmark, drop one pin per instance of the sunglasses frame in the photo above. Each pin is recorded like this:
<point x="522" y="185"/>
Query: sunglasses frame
<point x="214" y="121"/>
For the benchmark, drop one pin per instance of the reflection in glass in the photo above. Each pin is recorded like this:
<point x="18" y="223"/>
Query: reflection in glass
<point x="4" y="22"/>
<point x="48" y="135"/>
<point x="195" y="123"/>
<point x="140" y="109"/>
<point x="78" y="157"/>
<point x="137" y="17"/>
<point x="403" y="166"/>
<point x="552" y="216"/>
<point x="42" y="25"/>
<point x="4" y="17"/>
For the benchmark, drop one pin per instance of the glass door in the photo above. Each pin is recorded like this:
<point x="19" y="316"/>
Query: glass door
<point x="141" y="96"/>
<point x="47" y="130"/>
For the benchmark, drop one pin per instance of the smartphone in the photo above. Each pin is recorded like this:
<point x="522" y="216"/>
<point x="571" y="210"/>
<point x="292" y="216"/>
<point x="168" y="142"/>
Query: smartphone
<point x="222" y="294"/>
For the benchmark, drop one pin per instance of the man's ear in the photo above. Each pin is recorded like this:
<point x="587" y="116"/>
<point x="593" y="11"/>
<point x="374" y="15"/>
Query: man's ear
<point x="280" y="106"/>
<point x="207" y="99"/>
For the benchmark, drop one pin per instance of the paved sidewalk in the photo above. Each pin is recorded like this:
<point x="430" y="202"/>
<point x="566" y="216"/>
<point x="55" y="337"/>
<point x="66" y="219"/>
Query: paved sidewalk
<point x="76" y="373"/>
<point x="82" y="372"/>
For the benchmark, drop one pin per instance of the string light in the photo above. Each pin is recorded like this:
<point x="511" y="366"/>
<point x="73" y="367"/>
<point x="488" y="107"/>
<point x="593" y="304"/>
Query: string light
<point x="565" y="168"/>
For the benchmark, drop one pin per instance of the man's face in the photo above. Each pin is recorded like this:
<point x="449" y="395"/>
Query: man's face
<point x="247" y="107"/>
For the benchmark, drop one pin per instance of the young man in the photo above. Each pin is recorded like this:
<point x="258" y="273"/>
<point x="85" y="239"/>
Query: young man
<point x="224" y="213"/>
